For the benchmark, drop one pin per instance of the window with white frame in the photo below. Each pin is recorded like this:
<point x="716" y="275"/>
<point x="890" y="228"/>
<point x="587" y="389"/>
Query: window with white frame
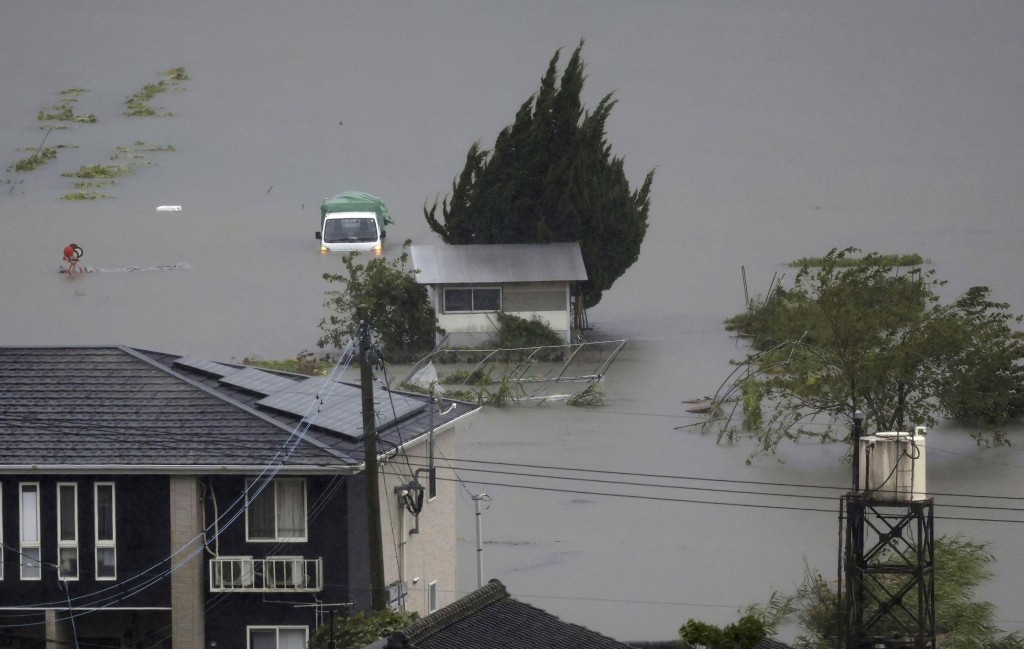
<point x="432" y="596"/>
<point x="470" y="299"/>
<point x="106" y="531"/>
<point x="67" y="530"/>
<point x="31" y="569"/>
<point x="277" y="512"/>
<point x="277" y="637"/>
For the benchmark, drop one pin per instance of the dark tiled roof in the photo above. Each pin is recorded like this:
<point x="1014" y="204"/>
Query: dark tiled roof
<point x="489" y="618"/>
<point x="118" y="408"/>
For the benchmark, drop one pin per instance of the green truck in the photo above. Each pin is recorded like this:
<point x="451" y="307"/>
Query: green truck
<point x="353" y="221"/>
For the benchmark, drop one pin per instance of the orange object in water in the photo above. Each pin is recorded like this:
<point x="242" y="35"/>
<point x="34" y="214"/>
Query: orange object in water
<point x="72" y="253"/>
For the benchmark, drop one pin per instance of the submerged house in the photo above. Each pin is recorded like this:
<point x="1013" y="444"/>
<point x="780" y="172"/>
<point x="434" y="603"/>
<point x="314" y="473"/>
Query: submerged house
<point x="468" y="285"/>
<point x="155" y="500"/>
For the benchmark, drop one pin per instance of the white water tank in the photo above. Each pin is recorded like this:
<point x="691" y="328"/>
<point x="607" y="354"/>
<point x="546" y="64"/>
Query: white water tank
<point x="892" y="466"/>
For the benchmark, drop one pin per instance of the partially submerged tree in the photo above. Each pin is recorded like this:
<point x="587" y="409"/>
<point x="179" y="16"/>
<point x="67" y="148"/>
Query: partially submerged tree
<point x="552" y="178"/>
<point x="961" y="622"/>
<point x="399" y="308"/>
<point x="868" y="337"/>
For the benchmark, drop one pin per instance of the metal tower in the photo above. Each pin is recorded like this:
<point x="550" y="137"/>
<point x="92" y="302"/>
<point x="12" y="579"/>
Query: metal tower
<point x="887" y="580"/>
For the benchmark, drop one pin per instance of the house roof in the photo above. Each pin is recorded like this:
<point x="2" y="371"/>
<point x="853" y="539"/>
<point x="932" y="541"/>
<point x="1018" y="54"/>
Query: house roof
<point x="489" y="618"/>
<point x="498" y="263"/>
<point x="120" y="409"/>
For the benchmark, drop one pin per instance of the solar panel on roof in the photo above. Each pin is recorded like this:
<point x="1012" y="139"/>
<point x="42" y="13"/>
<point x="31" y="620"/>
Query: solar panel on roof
<point x="259" y="381"/>
<point x="208" y="367"/>
<point x="339" y="408"/>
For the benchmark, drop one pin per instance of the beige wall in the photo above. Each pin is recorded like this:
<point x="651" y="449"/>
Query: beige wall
<point x="187" y="588"/>
<point x="431" y="554"/>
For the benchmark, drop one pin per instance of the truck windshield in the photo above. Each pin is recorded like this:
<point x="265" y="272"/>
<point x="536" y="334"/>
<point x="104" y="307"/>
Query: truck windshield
<point x="350" y="229"/>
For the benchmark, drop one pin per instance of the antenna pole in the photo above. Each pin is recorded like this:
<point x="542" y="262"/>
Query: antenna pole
<point x="858" y="419"/>
<point x="479" y="542"/>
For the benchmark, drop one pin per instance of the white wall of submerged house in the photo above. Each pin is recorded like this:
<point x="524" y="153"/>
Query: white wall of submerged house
<point x="547" y="301"/>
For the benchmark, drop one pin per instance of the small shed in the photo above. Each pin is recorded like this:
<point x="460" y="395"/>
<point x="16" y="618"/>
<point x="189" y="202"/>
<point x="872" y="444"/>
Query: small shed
<point x="469" y="284"/>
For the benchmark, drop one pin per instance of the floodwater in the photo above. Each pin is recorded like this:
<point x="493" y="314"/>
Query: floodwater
<point x="778" y="130"/>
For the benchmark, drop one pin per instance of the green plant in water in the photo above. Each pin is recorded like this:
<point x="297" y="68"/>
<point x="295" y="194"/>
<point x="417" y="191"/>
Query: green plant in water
<point x="752" y="415"/>
<point x="592" y="395"/>
<point x="305" y="362"/>
<point x="37" y="159"/>
<point x="83" y="196"/>
<point x="100" y="171"/>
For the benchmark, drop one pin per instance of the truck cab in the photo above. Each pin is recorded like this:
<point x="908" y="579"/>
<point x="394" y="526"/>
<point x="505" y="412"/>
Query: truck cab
<point x="350" y="231"/>
<point x="353" y="221"/>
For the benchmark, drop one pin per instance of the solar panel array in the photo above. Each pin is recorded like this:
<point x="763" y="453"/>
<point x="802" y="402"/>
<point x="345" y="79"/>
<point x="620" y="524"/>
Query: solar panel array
<point x="259" y="381"/>
<point x="205" y="366"/>
<point x="317" y="400"/>
<point x="338" y="407"/>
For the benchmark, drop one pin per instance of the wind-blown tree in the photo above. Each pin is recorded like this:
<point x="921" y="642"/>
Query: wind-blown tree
<point x="552" y="178"/>
<point x="961" y="621"/>
<point x="855" y="334"/>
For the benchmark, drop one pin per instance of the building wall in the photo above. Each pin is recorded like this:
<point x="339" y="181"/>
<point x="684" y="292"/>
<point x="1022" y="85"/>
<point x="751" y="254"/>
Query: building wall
<point x="548" y="301"/>
<point x="136" y="601"/>
<point x="430" y="554"/>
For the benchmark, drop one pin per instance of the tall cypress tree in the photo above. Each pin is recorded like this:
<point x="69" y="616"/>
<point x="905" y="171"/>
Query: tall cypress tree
<point x="552" y="178"/>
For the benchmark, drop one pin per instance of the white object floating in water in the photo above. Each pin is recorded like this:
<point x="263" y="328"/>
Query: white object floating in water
<point x="168" y="208"/>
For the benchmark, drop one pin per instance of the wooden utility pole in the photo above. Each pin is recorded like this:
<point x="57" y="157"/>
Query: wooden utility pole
<point x="378" y="596"/>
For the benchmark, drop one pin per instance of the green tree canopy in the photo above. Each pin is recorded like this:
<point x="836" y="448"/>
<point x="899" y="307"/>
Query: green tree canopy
<point x="552" y="178"/>
<point x="360" y="629"/>
<point x="399" y="308"/>
<point x="866" y="336"/>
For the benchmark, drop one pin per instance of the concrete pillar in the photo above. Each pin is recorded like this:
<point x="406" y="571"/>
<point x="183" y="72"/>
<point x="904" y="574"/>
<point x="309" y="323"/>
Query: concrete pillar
<point x="187" y="586"/>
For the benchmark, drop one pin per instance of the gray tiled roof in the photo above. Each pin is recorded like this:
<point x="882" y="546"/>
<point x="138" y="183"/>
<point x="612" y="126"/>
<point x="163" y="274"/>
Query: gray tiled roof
<point x="489" y="618"/>
<point x="498" y="263"/>
<point x="124" y="409"/>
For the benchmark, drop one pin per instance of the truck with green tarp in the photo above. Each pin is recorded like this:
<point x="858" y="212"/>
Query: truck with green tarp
<point x="353" y="221"/>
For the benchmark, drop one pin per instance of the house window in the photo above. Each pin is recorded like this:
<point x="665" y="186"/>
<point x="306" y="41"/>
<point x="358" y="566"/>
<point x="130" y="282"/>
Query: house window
<point x="278" y="637"/>
<point x="278" y="512"/>
<point x="31" y="569"/>
<point x="67" y="530"/>
<point x="432" y="596"/>
<point x="106" y="539"/>
<point x="472" y="300"/>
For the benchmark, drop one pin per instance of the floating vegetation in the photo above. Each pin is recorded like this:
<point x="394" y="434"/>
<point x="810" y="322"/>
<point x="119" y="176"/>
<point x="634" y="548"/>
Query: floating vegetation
<point x="137" y="150"/>
<point x="37" y="159"/>
<point x="910" y="259"/>
<point x="138" y="104"/>
<point x="100" y="171"/>
<point x="83" y="196"/>
<point x="63" y="112"/>
<point x="592" y="395"/>
<point x="85" y="184"/>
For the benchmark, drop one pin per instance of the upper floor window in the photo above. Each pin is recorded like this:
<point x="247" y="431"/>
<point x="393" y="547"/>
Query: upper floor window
<point x="106" y="531"/>
<point x="30" y="533"/>
<point x="471" y="299"/>
<point x="67" y="530"/>
<point x="278" y="637"/>
<point x="278" y="512"/>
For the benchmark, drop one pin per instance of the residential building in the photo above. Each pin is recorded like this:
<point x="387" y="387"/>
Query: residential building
<point x="469" y="284"/>
<point x="154" y="500"/>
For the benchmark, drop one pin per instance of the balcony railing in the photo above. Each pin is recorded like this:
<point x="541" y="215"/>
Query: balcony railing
<point x="269" y="575"/>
